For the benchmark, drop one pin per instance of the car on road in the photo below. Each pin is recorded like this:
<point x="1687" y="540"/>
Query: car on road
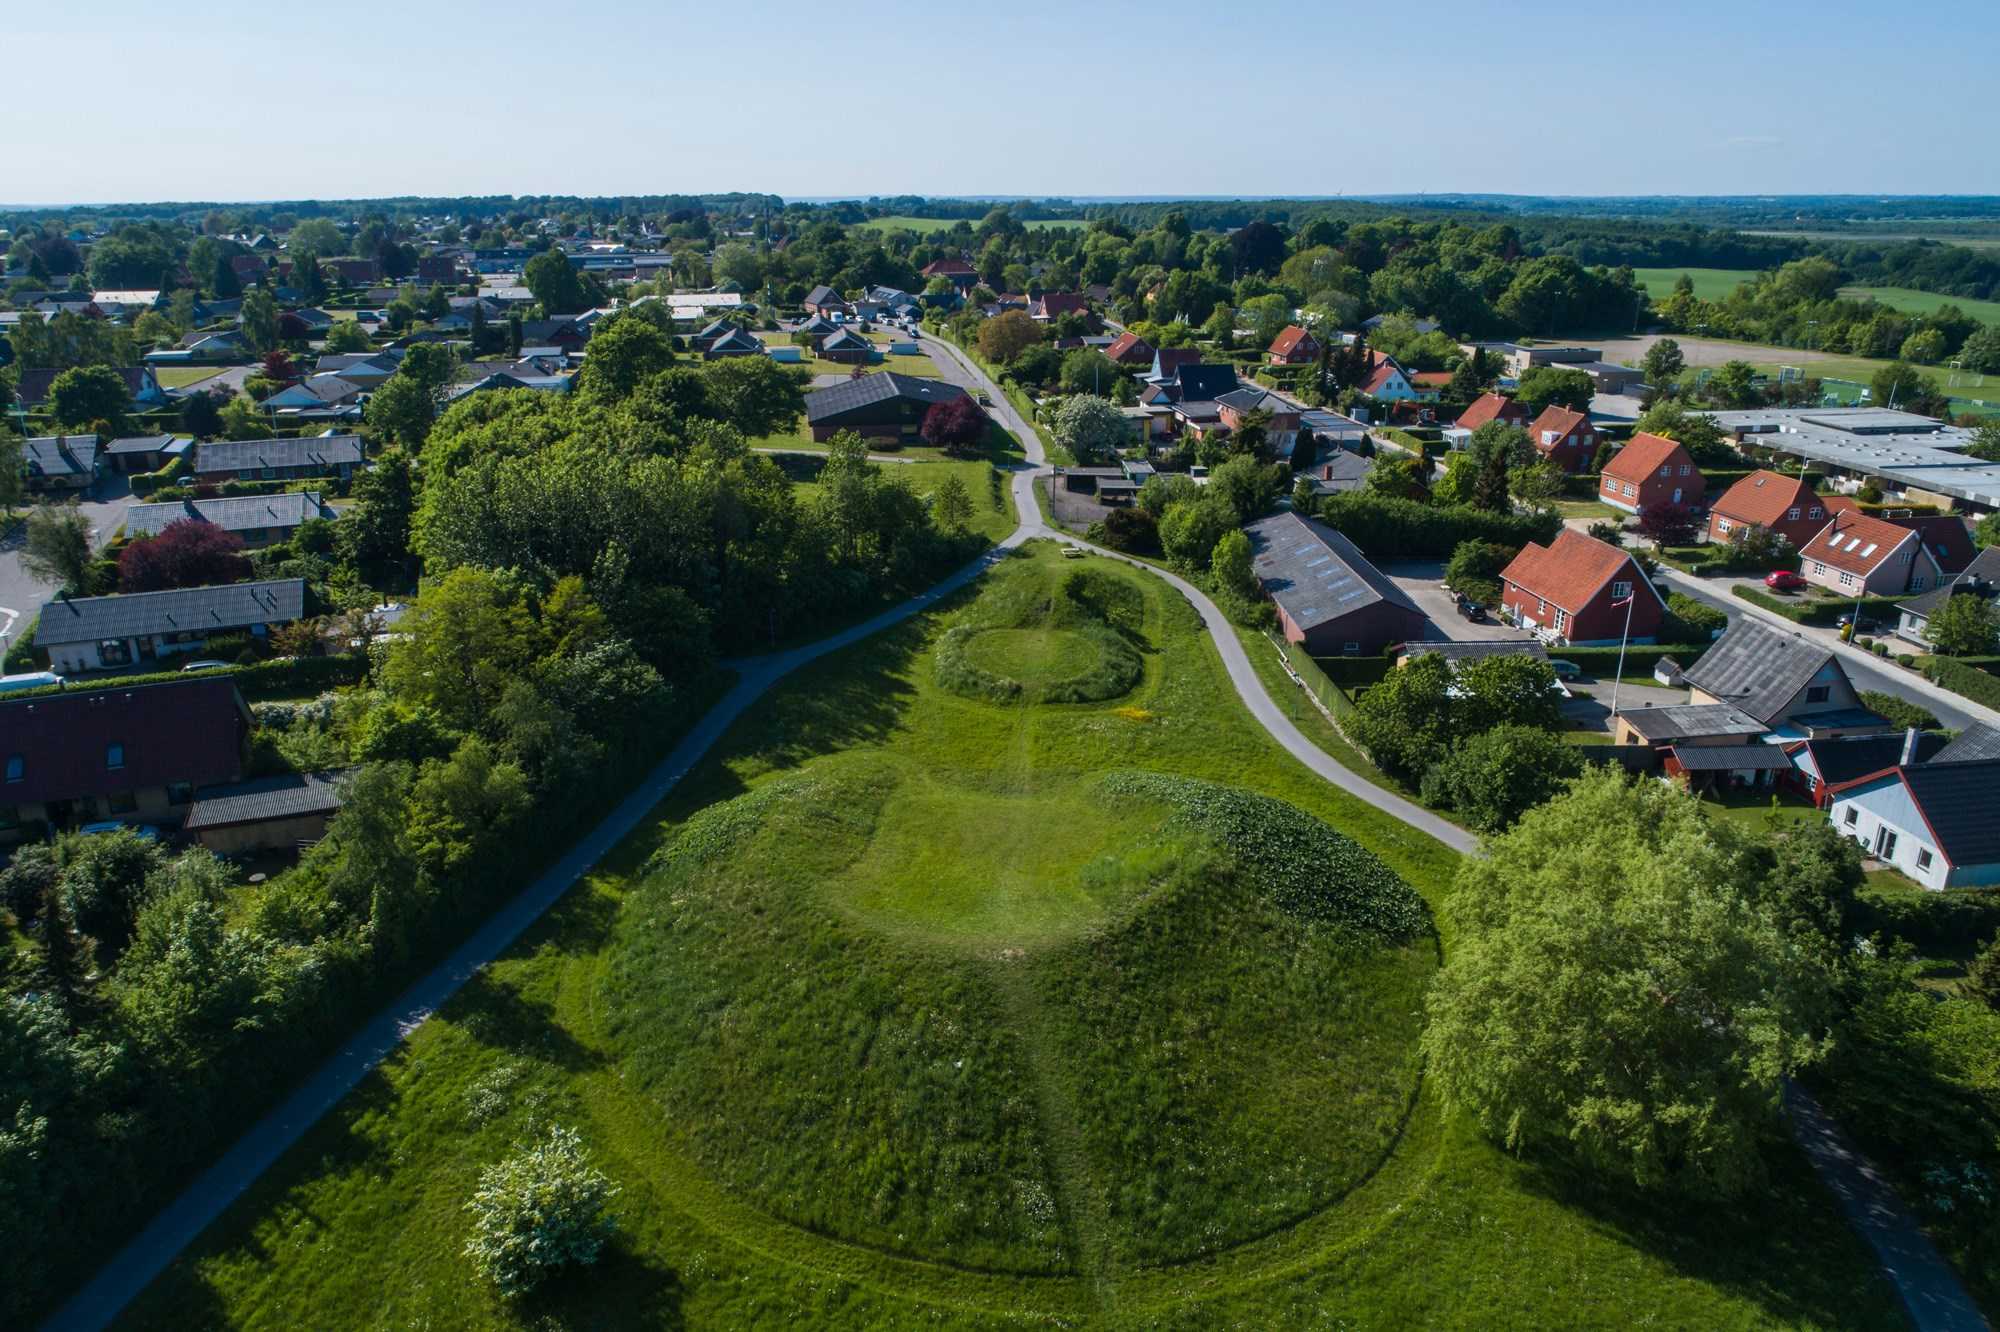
<point x="206" y="666"/>
<point x="985" y="398"/>
<point x="1565" y="670"/>
<point x="1783" y="580"/>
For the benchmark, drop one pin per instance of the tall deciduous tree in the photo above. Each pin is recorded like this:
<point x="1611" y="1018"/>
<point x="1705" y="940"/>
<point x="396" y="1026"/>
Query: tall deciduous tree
<point x="86" y="395"/>
<point x="1620" y="989"/>
<point x="1090" y="427"/>
<point x="56" y="547"/>
<point x="1006" y="336"/>
<point x="186" y="553"/>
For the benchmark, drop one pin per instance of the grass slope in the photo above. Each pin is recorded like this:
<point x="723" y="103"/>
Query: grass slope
<point x="362" y="1224"/>
<point x="1911" y="301"/>
<point x="1710" y="284"/>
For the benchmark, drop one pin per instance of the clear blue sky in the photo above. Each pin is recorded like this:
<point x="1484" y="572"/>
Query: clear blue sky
<point x="121" y="100"/>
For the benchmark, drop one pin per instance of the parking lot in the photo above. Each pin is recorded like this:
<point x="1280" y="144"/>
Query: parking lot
<point x="1422" y="582"/>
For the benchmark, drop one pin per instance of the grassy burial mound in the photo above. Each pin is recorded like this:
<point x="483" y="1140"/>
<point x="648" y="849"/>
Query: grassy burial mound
<point x="1044" y="636"/>
<point x="1138" y="1019"/>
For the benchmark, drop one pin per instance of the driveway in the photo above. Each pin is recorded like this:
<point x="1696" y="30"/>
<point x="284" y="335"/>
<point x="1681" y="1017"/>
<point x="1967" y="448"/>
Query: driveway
<point x="1423" y="582"/>
<point x="21" y="595"/>
<point x="1864" y="668"/>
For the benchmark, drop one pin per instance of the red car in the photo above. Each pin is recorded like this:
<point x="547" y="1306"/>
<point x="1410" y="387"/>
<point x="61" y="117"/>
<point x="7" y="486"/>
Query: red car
<point x="1783" y="580"/>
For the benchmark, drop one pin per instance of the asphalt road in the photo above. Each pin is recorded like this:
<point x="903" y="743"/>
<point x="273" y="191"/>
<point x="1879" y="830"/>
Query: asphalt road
<point x="1926" y="1283"/>
<point x="22" y="595"/>
<point x="1864" y="668"/>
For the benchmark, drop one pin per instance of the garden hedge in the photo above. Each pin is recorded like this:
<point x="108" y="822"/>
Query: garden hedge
<point x="1963" y="678"/>
<point x="1388" y="528"/>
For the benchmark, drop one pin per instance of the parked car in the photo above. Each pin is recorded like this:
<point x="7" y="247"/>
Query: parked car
<point x="1783" y="580"/>
<point x="1472" y="611"/>
<point x="205" y="665"/>
<point x="1851" y="624"/>
<point x="1565" y="670"/>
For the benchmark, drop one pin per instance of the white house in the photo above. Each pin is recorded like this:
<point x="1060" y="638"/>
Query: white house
<point x="1933" y="821"/>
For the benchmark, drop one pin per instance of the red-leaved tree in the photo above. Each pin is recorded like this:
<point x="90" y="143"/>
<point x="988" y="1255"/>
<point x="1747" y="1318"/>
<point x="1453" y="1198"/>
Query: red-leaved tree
<point x="278" y="367"/>
<point x="956" y="425"/>
<point x="1668" y="524"/>
<point x="186" y="553"/>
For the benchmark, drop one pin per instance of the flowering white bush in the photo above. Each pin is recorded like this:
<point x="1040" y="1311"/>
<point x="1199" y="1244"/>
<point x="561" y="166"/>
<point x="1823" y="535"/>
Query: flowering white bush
<point x="539" y="1210"/>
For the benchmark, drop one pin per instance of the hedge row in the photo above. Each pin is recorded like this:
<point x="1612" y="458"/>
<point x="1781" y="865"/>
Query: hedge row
<point x="326" y="485"/>
<point x="279" y="678"/>
<point x="1387" y="528"/>
<point x="1352" y="672"/>
<point x="1931" y="922"/>
<point x="1820" y="610"/>
<point x="1963" y="678"/>
<point x="145" y="484"/>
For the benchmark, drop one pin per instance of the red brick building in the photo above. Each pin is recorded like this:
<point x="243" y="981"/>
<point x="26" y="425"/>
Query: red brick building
<point x="1294" y="346"/>
<point x="1650" y="470"/>
<point x="1565" y="438"/>
<point x="1574" y="591"/>
<point x="1776" y="503"/>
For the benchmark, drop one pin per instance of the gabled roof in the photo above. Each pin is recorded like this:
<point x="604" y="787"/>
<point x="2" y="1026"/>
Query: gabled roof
<point x="1846" y="758"/>
<point x="1981" y="578"/>
<point x="1977" y="741"/>
<point x="1945" y="537"/>
<point x="1491" y="407"/>
<point x="1054" y="303"/>
<point x="1730" y="758"/>
<point x="736" y="340"/>
<point x="171" y="731"/>
<point x="1316" y="574"/>
<point x="1167" y="361"/>
<point x="1758" y="668"/>
<point x="138" y="444"/>
<point x="823" y="295"/>
<point x="1645" y="456"/>
<point x="1955" y="801"/>
<point x="949" y="267"/>
<point x="1559" y="419"/>
<point x="289" y="795"/>
<point x="1572" y="569"/>
<point x="1384" y="369"/>
<point x="236" y="513"/>
<point x="849" y="394"/>
<point x="1765" y="497"/>
<point x="234" y="455"/>
<point x="1856" y="543"/>
<point x="1692" y="721"/>
<point x="1205" y="383"/>
<point x="842" y="338"/>
<point x="1131" y="345"/>
<point x="203" y="609"/>
<point x="1251" y="398"/>
<point x="60" y="455"/>
<point x="1290" y="339"/>
<point x="819" y="323"/>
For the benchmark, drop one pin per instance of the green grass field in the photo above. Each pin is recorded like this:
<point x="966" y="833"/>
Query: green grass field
<point x="1710" y="284"/>
<point x="180" y="376"/>
<point x="926" y="225"/>
<point x="845" y="1078"/>
<point x="988" y="519"/>
<point x="1911" y="301"/>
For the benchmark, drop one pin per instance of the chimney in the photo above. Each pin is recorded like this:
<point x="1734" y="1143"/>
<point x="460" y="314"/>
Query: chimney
<point x="1909" y="747"/>
<point x="1326" y="474"/>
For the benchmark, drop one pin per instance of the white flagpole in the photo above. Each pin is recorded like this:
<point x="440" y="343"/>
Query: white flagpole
<point x="1619" y="678"/>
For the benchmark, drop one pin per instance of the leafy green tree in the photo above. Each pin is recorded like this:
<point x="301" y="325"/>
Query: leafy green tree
<point x="308" y="277"/>
<point x="1091" y="428"/>
<point x="135" y="255"/>
<point x="1537" y="483"/>
<point x="258" y="319"/>
<point x="106" y="878"/>
<point x="1982" y="976"/>
<point x="1696" y="432"/>
<point x="1925" y="347"/>
<point x="556" y="285"/>
<point x="348" y="336"/>
<point x="1498" y="775"/>
<point x="1163" y="490"/>
<point x="952" y="505"/>
<point x="1663" y="363"/>
<point x="1230" y="565"/>
<point x="1898" y="384"/>
<point x="81" y="397"/>
<point x="459" y="805"/>
<point x="754" y="395"/>
<point x="13" y="484"/>
<point x="321" y="235"/>
<point x="56" y="547"/>
<point x="1985" y="442"/>
<point x="190" y="986"/>
<point x="1474" y="569"/>
<point x="1618" y="989"/>
<point x="1398" y="476"/>
<point x="543" y="1209"/>
<point x="624" y="352"/>
<point x="1555" y="385"/>
<point x="1964" y="626"/>
<point x="1190" y="531"/>
<point x="374" y="534"/>
<point x="400" y="413"/>
<point x="1404" y="722"/>
<point x="1459" y="482"/>
<point x="240" y="418"/>
<point x="467" y="634"/>
<point x="1004" y="337"/>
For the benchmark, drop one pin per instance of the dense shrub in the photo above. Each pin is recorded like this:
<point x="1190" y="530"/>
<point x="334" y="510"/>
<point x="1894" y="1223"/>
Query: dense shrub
<point x="1383" y="526"/>
<point x="539" y="1211"/>
<point x="1962" y="678"/>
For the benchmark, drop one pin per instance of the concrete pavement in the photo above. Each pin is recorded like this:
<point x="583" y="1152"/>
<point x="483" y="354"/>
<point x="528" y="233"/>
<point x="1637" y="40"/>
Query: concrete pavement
<point x="1866" y="669"/>
<point x="22" y="594"/>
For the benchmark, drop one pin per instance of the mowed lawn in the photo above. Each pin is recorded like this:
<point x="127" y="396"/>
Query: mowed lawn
<point x="180" y="376"/>
<point x="1710" y="284"/>
<point x="363" y="1224"/>
<point x="993" y="514"/>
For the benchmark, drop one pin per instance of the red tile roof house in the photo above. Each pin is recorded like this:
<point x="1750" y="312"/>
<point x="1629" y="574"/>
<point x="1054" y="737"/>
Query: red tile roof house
<point x="1390" y="382"/>
<point x="1130" y="349"/>
<point x="955" y="271"/>
<point x="1855" y="554"/>
<point x="1051" y="304"/>
<point x="1492" y="407"/>
<point x="1650" y="470"/>
<point x="1572" y="590"/>
<point x="1945" y="536"/>
<point x="1782" y="504"/>
<point x="1566" y="438"/>
<point x="1294" y="346"/>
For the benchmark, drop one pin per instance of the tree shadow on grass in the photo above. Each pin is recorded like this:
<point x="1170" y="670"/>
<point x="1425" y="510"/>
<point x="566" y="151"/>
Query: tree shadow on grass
<point x="624" y="1289"/>
<point x="1783" y="1245"/>
<point x="853" y="699"/>
<point x="502" y="1018"/>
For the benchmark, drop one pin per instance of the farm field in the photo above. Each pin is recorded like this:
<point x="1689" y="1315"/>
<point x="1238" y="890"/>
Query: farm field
<point x="926" y="225"/>
<point x="1119" y="1063"/>
<point x="1710" y="284"/>
<point x="1908" y="300"/>
<point x="1985" y="242"/>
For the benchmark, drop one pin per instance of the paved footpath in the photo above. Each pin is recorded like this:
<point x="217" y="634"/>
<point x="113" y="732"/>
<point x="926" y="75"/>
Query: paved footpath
<point x="1925" y="1282"/>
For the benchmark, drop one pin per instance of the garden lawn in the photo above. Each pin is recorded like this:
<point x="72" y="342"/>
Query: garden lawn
<point x="1140" y="1044"/>
<point x="1909" y="300"/>
<point x="180" y="376"/>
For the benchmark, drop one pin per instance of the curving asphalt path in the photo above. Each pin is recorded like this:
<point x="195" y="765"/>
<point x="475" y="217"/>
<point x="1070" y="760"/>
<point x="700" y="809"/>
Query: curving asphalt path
<point x="1929" y="1287"/>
